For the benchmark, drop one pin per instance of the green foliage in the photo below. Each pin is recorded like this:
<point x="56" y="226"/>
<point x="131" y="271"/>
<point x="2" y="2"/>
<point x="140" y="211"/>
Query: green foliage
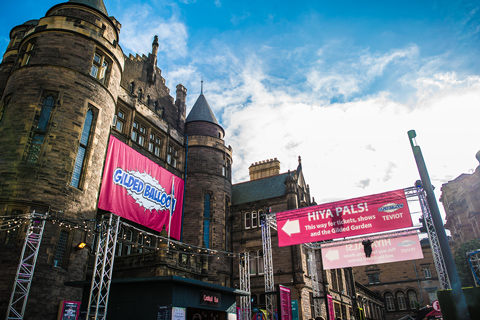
<point x="463" y="267"/>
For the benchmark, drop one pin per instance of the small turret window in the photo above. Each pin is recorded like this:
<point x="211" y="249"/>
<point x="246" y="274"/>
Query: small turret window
<point x="100" y="67"/>
<point x="28" y="54"/>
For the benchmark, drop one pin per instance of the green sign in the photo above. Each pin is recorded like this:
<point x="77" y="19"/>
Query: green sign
<point x="295" y="310"/>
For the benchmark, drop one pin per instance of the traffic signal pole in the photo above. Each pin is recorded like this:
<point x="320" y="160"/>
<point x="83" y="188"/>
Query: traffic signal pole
<point x="459" y="298"/>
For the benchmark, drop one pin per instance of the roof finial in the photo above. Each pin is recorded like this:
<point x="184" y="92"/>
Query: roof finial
<point x="201" y="92"/>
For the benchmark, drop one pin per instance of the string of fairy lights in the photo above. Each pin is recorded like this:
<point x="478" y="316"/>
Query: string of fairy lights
<point x="14" y="223"/>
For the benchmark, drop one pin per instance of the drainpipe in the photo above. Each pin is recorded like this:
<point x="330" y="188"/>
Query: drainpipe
<point x="184" y="187"/>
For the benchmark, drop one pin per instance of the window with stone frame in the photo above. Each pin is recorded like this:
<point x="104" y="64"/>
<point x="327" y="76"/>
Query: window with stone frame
<point x="148" y="100"/>
<point x="139" y="133"/>
<point x="373" y="278"/>
<point x="389" y="302"/>
<point x="40" y="127"/>
<point x="140" y="94"/>
<point x="155" y="143"/>
<point x="333" y="276"/>
<point x="248" y="220"/>
<point x="412" y="299"/>
<point x="184" y="260"/>
<point x="131" y="87"/>
<point x="426" y="272"/>
<point x="100" y="66"/>
<point x="4" y="106"/>
<point x="402" y="304"/>
<point x="62" y="250"/>
<point x="121" y="120"/>
<point x="83" y="148"/>
<point x="28" y="53"/>
<point x="173" y="156"/>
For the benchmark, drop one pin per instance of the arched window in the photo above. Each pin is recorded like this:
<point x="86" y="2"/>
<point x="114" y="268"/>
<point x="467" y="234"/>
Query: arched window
<point x="206" y="220"/>
<point x="254" y="219"/>
<point x="402" y="304"/>
<point x="148" y="100"/>
<point x="140" y="94"/>
<point x="412" y="299"/>
<point x="390" y="303"/>
<point x="80" y="164"/>
<point x="248" y="220"/>
<point x="131" y="87"/>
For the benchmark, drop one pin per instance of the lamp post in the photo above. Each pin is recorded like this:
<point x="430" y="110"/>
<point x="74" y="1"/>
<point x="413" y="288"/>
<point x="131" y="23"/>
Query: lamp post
<point x="459" y="298"/>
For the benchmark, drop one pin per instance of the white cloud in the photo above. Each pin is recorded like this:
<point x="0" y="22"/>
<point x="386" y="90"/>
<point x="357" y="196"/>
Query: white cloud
<point x="140" y="25"/>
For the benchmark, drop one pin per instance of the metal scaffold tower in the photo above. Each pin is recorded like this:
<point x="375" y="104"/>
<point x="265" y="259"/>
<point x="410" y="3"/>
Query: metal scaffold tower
<point x="245" y="301"/>
<point x="474" y="261"/>
<point x="269" y="221"/>
<point x="102" y="274"/>
<point x="26" y="267"/>
<point x="434" y="243"/>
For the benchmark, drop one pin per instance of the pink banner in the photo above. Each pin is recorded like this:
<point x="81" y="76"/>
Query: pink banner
<point x="331" y="309"/>
<point x="285" y="303"/>
<point x="353" y="217"/>
<point x="383" y="251"/>
<point x="136" y="188"/>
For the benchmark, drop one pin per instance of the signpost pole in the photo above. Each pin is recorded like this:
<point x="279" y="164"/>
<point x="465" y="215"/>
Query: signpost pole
<point x="460" y="302"/>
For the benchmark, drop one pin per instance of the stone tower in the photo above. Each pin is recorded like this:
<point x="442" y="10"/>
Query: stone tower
<point x="208" y="188"/>
<point x="59" y="79"/>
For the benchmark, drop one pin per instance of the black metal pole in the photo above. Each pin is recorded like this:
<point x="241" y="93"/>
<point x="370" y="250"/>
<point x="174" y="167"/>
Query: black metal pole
<point x="459" y="298"/>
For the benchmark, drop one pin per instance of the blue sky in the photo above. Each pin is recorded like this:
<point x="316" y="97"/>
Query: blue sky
<point x="337" y="82"/>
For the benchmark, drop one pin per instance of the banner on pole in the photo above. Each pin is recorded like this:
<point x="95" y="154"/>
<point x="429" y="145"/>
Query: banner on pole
<point x="136" y="188"/>
<point x="370" y="214"/>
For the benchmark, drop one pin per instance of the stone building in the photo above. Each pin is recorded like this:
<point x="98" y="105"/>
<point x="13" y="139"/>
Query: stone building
<point x="461" y="201"/>
<point x="405" y="285"/>
<point x="271" y="191"/>
<point x="66" y="88"/>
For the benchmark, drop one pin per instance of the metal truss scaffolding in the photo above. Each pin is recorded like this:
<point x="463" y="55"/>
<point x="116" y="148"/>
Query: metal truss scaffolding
<point x="434" y="243"/>
<point x="314" y="278"/>
<point x="474" y="261"/>
<point x="245" y="301"/>
<point x="270" y="296"/>
<point x="26" y="267"/>
<point x="102" y="274"/>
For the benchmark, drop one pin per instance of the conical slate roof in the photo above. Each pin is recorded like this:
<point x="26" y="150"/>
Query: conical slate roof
<point x="201" y="111"/>
<point x="95" y="4"/>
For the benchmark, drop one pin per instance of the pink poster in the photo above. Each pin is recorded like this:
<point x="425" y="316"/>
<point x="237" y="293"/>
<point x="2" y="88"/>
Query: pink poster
<point x="353" y="217"/>
<point x="331" y="310"/>
<point x="383" y="251"/>
<point x="136" y="188"/>
<point x="285" y="303"/>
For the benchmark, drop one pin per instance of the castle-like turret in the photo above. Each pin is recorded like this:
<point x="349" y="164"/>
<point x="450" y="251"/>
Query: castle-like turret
<point x="208" y="187"/>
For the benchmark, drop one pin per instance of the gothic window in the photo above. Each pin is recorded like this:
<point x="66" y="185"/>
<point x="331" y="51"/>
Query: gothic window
<point x="206" y="220"/>
<point x="390" y="303"/>
<point x="248" y="220"/>
<point x="140" y="94"/>
<point x="148" y="100"/>
<point x="412" y="299"/>
<point x="402" y="304"/>
<point x="3" y="107"/>
<point x="39" y="130"/>
<point x="131" y="87"/>
<point x="61" y="252"/>
<point x="80" y="162"/>
<point x="426" y="272"/>
<point x="100" y="66"/>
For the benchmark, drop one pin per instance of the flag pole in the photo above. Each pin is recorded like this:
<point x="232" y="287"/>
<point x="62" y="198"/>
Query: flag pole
<point x="171" y="212"/>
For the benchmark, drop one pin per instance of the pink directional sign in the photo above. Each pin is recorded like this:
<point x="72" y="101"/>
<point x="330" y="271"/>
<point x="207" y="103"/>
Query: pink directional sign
<point x="383" y="251"/>
<point x="375" y="213"/>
